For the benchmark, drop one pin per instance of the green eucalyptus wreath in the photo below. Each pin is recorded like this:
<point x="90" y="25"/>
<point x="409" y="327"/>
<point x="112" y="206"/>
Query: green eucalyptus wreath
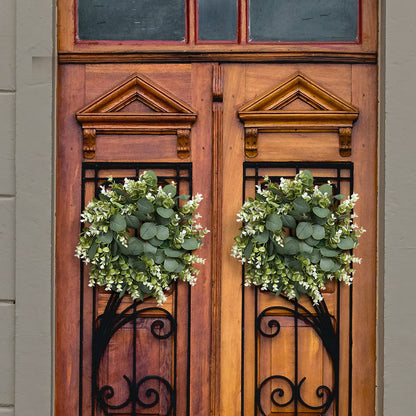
<point x="296" y="236"/>
<point x="139" y="238"/>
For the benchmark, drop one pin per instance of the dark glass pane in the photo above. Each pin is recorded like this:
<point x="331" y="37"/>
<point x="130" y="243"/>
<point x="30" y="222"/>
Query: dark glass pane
<point x="217" y="19"/>
<point x="131" y="19"/>
<point x="303" y="20"/>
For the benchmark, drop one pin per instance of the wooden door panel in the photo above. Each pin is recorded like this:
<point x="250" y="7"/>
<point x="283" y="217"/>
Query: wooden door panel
<point x="218" y="358"/>
<point x="161" y="352"/>
<point x="242" y="84"/>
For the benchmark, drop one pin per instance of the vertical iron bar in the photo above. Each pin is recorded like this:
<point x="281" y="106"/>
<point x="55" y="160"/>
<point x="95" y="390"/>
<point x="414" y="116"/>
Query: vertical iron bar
<point x="243" y="314"/>
<point x="81" y="306"/>
<point x="175" y="337"/>
<point x="133" y="396"/>
<point x="350" y="323"/>
<point x="296" y="392"/>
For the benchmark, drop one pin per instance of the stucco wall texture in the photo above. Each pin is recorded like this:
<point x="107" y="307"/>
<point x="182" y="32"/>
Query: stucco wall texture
<point x="7" y="205"/>
<point x="27" y="38"/>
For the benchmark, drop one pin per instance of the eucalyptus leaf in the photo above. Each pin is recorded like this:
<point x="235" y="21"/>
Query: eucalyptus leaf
<point x="135" y="246"/>
<point x="291" y="246"/>
<point x="300" y="206"/>
<point x="318" y="220"/>
<point x="104" y="198"/>
<point x="170" y="190"/>
<point x="288" y="221"/>
<point x="321" y="212"/>
<point x="148" y="230"/>
<point x="152" y="176"/>
<point x="137" y="264"/>
<point x="165" y="212"/>
<point x="339" y="197"/>
<point x="132" y="221"/>
<point x="171" y="252"/>
<point x="120" y="192"/>
<point x="346" y="243"/>
<point x="184" y="197"/>
<point x="145" y="289"/>
<point x="140" y="215"/>
<point x="170" y="264"/>
<point x="336" y="267"/>
<point x="123" y="249"/>
<point x="263" y="237"/>
<point x="155" y="242"/>
<point x="180" y="267"/>
<point x="329" y="252"/>
<point x="162" y="232"/>
<point x="312" y="242"/>
<point x="295" y="265"/>
<point x="190" y="244"/>
<point x="92" y="250"/>
<point x="274" y="222"/>
<point x="326" y="264"/>
<point x="118" y="223"/>
<point x="315" y="256"/>
<point x="326" y="189"/>
<point x="149" y="248"/>
<point x="106" y="238"/>
<point x="318" y="232"/>
<point x="305" y="248"/>
<point x="304" y="230"/>
<point x="249" y="249"/>
<point x="300" y="288"/>
<point x="114" y="248"/>
<point x="160" y="256"/>
<point x="144" y="206"/>
<point x="162" y="221"/>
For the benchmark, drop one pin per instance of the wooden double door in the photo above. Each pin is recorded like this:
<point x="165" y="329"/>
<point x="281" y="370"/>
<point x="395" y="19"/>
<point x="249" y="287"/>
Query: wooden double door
<point x="215" y="128"/>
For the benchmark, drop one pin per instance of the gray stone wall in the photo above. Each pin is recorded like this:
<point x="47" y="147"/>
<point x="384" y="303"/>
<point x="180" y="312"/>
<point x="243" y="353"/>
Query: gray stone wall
<point x="400" y="202"/>
<point x="26" y="208"/>
<point x="7" y="205"/>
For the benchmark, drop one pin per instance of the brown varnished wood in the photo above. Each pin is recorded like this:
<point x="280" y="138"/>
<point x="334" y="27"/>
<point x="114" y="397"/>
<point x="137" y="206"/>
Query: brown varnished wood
<point x="273" y="112"/>
<point x="105" y="116"/>
<point x="217" y="200"/>
<point x="201" y="347"/>
<point x="67" y="42"/>
<point x="68" y="205"/>
<point x="214" y="82"/>
<point x="244" y="83"/>
<point x="335" y="56"/>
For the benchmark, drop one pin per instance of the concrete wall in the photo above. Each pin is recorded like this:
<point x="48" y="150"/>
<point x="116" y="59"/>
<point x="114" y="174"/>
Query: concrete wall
<point x="7" y="205"/>
<point x="26" y="207"/>
<point x="26" y="198"/>
<point x="400" y="204"/>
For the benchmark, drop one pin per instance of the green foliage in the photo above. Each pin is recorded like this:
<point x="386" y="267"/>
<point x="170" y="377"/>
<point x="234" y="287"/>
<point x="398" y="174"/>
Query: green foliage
<point x="296" y="236"/>
<point x="138" y="238"/>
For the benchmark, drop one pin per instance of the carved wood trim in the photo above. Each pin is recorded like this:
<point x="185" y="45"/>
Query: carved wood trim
<point x="250" y="141"/>
<point x="88" y="145"/>
<point x="216" y="247"/>
<point x="81" y="57"/>
<point x="104" y="116"/>
<point x="268" y="113"/>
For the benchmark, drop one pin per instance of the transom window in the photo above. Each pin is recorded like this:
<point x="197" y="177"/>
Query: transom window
<point x="218" y="21"/>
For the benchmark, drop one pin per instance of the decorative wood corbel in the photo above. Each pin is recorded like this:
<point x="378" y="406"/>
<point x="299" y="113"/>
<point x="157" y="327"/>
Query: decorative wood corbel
<point x="271" y="112"/>
<point x="168" y="115"/>
<point x="88" y="145"/>
<point x="183" y="143"/>
<point x="250" y="141"/>
<point x="345" y="141"/>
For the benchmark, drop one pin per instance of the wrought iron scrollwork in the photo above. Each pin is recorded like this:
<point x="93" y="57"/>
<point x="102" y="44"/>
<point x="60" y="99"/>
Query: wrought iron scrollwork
<point x="322" y="323"/>
<point x="142" y="392"/>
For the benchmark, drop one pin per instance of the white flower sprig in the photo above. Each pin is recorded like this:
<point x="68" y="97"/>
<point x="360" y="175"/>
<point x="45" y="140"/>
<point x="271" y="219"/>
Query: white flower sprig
<point x="296" y="236"/>
<point x="139" y="238"/>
